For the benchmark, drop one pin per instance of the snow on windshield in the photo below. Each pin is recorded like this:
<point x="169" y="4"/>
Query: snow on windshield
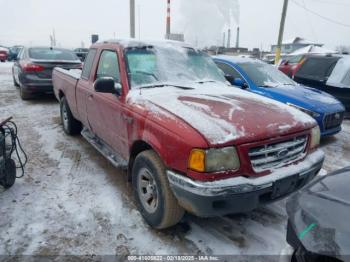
<point x="341" y="74"/>
<point x="265" y="75"/>
<point x="154" y="65"/>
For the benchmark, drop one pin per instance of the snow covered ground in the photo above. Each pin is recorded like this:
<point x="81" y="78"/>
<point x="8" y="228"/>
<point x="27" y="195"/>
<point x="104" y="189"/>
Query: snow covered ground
<point x="74" y="202"/>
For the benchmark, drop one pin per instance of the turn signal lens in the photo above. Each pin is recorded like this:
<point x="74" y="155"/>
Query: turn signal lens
<point x="197" y="160"/>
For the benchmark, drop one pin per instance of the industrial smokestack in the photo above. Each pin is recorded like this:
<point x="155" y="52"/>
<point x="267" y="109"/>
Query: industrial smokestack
<point x="168" y="21"/>
<point x="237" y="39"/>
<point x="224" y="39"/>
<point x="132" y="18"/>
<point x="229" y="38"/>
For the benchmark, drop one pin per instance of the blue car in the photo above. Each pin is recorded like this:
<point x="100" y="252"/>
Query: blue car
<point x="266" y="80"/>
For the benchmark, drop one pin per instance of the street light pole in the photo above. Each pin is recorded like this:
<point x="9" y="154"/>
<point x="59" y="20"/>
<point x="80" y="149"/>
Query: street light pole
<point x="280" y="35"/>
<point x="132" y="18"/>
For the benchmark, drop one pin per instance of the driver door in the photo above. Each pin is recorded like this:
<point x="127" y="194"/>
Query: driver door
<point x="105" y="110"/>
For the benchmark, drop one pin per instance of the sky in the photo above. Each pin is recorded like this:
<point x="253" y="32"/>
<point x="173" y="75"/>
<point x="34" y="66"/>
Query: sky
<point x="30" y="22"/>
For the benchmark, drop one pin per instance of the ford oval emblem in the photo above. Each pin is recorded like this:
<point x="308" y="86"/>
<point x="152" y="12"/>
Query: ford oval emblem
<point x="282" y="153"/>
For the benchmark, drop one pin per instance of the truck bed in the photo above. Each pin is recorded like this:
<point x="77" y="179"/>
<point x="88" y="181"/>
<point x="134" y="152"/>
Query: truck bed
<point x="65" y="82"/>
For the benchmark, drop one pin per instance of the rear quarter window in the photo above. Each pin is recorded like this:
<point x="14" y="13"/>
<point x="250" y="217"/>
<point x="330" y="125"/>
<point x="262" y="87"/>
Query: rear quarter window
<point x="88" y="64"/>
<point x="317" y="68"/>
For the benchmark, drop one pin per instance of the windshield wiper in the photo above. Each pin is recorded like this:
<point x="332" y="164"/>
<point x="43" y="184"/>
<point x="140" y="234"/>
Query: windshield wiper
<point x="206" y="81"/>
<point x="164" y="85"/>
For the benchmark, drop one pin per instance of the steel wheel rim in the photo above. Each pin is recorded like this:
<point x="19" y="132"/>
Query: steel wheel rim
<point x="65" y="116"/>
<point x="147" y="190"/>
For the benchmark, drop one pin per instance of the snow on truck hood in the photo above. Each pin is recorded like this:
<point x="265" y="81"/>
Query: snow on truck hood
<point x="223" y="114"/>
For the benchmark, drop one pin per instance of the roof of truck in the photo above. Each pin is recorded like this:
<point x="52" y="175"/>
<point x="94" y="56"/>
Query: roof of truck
<point x="139" y="43"/>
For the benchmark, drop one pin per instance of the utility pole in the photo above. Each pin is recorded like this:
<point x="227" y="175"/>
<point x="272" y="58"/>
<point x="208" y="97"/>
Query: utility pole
<point x="132" y="18"/>
<point x="280" y="35"/>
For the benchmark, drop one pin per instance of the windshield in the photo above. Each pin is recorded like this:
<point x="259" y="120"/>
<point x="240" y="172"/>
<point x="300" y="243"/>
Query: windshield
<point x="169" y="65"/>
<point x="52" y="54"/>
<point x="265" y="75"/>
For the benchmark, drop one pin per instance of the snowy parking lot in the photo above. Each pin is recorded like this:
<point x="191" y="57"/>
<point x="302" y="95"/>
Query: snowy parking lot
<point x="72" y="201"/>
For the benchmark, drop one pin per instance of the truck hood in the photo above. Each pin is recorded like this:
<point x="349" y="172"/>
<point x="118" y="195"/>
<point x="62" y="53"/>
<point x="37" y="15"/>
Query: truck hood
<point x="306" y="97"/>
<point x="222" y="114"/>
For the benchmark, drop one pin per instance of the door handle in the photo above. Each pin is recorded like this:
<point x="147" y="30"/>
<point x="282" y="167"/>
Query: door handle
<point x="128" y="119"/>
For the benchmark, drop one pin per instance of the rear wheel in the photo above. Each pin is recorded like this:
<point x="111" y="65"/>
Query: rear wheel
<point x="156" y="201"/>
<point x="14" y="81"/>
<point x="71" y="126"/>
<point x="10" y="174"/>
<point x="24" y="95"/>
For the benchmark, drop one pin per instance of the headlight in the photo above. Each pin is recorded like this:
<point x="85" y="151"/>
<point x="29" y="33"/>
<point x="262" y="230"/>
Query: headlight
<point x="315" y="137"/>
<point x="214" y="160"/>
<point x="306" y="111"/>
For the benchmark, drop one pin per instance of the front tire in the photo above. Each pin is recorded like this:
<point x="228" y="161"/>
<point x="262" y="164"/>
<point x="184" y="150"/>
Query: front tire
<point x="154" y="197"/>
<point x="71" y="126"/>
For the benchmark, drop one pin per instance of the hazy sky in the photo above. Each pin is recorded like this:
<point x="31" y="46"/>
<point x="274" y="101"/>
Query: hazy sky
<point x="31" y="22"/>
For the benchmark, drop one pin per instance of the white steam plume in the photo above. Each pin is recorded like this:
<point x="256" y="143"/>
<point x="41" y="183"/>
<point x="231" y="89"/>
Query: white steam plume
<point x="204" y="21"/>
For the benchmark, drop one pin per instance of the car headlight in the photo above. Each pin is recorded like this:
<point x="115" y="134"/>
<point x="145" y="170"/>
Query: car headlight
<point x="315" y="137"/>
<point x="306" y="111"/>
<point x="214" y="160"/>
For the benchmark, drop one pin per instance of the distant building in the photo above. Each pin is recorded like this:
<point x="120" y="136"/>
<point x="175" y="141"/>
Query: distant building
<point x="296" y="43"/>
<point x="176" y="37"/>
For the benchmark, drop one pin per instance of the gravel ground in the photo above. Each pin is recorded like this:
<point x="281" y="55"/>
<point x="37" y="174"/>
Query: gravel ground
<point x="72" y="201"/>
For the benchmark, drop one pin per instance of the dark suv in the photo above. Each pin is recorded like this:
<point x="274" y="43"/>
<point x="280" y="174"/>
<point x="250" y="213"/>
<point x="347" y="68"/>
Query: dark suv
<point x="327" y="73"/>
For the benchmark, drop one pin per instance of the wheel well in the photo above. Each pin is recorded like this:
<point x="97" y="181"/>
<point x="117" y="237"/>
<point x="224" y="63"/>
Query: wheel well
<point x="60" y="94"/>
<point x="137" y="148"/>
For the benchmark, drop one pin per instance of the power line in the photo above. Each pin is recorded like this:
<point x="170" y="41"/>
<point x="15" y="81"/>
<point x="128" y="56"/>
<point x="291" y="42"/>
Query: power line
<point x="310" y="21"/>
<point x="331" y="2"/>
<point x="320" y="16"/>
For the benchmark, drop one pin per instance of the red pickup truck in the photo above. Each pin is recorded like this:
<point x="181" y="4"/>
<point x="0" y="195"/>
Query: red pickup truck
<point x="189" y="140"/>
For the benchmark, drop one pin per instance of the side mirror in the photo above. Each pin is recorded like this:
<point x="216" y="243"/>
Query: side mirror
<point x="240" y="82"/>
<point x="107" y="85"/>
<point x="286" y="62"/>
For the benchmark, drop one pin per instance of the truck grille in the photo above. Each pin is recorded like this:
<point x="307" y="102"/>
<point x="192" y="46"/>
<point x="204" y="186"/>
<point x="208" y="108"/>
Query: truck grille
<point x="278" y="154"/>
<point x="333" y="120"/>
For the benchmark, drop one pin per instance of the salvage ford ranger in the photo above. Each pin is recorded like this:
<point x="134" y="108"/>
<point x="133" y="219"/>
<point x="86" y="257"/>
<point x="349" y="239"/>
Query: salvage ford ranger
<point x="189" y="140"/>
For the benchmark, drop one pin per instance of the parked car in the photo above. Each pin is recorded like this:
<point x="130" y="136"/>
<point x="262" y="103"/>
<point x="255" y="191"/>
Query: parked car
<point x="290" y="64"/>
<point x="81" y="53"/>
<point x="32" y="71"/>
<point x="190" y="141"/>
<point x="13" y="53"/>
<point x="3" y="54"/>
<point x="318" y="219"/>
<point x="330" y="74"/>
<point x="260" y="78"/>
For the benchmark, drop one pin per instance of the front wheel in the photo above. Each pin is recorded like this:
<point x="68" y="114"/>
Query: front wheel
<point x="71" y="126"/>
<point x="156" y="201"/>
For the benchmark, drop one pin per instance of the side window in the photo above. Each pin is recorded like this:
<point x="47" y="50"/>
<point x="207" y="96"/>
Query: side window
<point x="20" y="54"/>
<point x="88" y="64"/>
<point x="108" y="65"/>
<point x="228" y="70"/>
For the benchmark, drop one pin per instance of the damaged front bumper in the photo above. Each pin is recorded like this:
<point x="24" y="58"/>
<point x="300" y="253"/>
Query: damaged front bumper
<point x="242" y="194"/>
